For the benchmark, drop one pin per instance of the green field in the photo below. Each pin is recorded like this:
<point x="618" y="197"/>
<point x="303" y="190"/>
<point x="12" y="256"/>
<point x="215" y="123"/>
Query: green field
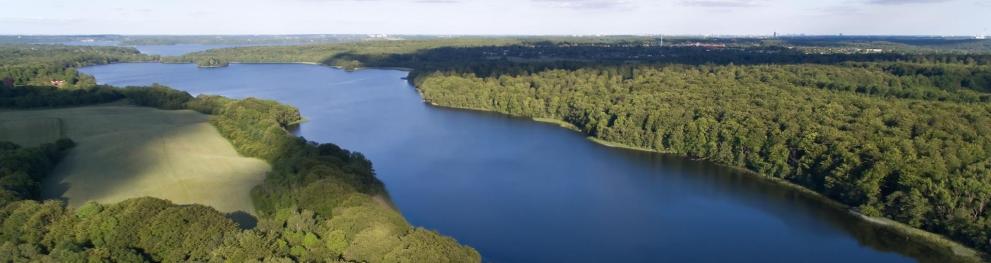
<point x="124" y="152"/>
<point x="30" y="132"/>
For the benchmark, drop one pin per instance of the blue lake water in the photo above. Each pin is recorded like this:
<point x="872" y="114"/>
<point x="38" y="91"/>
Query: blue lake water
<point x="177" y="49"/>
<point x="161" y="50"/>
<point x="90" y="43"/>
<point x="521" y="191"/>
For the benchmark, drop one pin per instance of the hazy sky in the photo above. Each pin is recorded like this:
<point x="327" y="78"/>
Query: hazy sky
<point x="913" y="17"/>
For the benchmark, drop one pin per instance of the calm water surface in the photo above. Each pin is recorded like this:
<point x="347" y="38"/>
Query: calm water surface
<point x="161" y="50"/>
<point x="178" y="49"/>
<point x="521" y="191"/>
<point x="89" y="43"/>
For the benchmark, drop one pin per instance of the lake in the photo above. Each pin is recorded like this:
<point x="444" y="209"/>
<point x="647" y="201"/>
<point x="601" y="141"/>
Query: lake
<point x="161" y="50"/>
<point x="522" y="191"/>
<point x="177" y="49"/>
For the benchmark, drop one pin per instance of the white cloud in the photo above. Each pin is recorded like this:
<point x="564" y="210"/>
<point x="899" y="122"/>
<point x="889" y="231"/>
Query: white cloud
<point x="587" y="4"/>
<point x="724" y="3"/>
<point x="902" y="2"/>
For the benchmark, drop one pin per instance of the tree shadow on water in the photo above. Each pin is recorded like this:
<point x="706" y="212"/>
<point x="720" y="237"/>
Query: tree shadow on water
<point x="243" y="219"/>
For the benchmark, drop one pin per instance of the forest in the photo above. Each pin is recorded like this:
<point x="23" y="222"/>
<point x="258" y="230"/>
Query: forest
<point x="558" y="52"/>
<point x="320" y="202"/>
<point x="55" y="65"/>
<point x="908" y="141"/>
<point x="901" y="133"/>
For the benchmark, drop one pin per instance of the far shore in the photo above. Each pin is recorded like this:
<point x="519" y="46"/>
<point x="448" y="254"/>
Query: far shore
<point x="261" y="63"/>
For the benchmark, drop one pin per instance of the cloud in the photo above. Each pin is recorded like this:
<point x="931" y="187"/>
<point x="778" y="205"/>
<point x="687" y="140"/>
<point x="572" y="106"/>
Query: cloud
<point x="723" y="3"/>
<point x="390" y="1"/>
<point x="838" y="10"/>
<point x="902" y="2"/>
<point x="588" y="4"/>
<point x="317" y="1"/>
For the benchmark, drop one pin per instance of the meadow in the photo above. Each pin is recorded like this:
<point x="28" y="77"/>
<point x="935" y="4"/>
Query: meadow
<point x="31" y="132"/>
<point x="126" y="152"/>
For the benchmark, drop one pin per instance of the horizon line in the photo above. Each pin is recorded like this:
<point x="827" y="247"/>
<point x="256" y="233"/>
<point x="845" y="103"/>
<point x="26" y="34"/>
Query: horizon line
<point x="499" y="35"/>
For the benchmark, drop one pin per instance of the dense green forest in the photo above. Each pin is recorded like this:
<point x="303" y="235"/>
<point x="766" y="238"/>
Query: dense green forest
<point x="320" y="203"/>
<point x="55" y="65"/>
<point x="47" y="96"/>
<point x="886" y="138"/>
<point x="23" y="168"/>
<point x="897" y="134"/>
<point x="901" y="133"/>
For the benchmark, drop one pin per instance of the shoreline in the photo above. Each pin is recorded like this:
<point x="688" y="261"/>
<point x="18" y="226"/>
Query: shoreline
<point x="938" y="241"/>
<point x="933" y="240"/>
<point x="560" y="123"/>
<point x="257" y="63"/>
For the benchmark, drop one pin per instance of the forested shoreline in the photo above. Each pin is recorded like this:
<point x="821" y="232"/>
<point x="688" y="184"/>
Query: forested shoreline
<point x="903" y="135"/>
<point x="896" y="134"/>
<point x="907" y="147"/>
<point x="319" y="203"/>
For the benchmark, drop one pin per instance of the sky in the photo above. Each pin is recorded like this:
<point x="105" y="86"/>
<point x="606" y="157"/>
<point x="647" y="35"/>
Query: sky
<point x="497" y="17"/>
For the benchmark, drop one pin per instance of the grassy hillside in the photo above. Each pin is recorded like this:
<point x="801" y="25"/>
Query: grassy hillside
<point x="30" y="132"/>
<point x="174" y="155"/>
<point x="319" y="203"/>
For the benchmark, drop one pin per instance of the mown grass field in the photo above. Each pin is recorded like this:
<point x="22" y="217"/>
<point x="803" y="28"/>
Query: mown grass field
<point x="124" y="152"/>
<point x="30" y="132"/>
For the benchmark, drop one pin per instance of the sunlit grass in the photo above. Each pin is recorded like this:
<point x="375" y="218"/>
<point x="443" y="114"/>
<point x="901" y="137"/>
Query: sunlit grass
<point x="125" y="152"/>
